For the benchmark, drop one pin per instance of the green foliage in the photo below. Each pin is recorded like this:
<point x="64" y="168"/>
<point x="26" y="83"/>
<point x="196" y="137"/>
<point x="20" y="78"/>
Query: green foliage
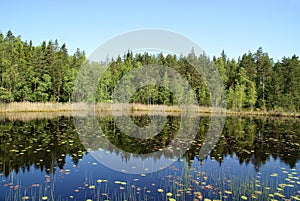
<point x="36" y="73"/>
<point x="48" y="72"/>
<point x="5" y="95"/>
<point x="251" y="95"/>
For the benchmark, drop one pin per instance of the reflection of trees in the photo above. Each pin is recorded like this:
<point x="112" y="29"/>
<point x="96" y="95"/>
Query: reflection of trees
<point x="256" y="140"/>
<point x="43" y="144"/>
<point x="140" y="146"/>
<point x="251" y="140"/>
<point x="279" y="139"/>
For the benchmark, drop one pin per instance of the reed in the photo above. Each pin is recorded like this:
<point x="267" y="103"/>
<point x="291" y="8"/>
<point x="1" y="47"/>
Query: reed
<point x="35" y="107"/>
<point x="132" y="107"/>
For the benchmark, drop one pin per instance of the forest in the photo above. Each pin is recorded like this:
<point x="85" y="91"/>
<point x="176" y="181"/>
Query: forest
<point x="47" y="72"/>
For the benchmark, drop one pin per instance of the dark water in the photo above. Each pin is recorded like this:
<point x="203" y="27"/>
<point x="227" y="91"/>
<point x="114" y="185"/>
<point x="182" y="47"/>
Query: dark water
<point x="53" y="159"/>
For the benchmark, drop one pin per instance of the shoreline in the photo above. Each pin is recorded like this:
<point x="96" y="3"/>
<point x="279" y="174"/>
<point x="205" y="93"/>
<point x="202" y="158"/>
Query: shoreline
<point x="17" y="107"/>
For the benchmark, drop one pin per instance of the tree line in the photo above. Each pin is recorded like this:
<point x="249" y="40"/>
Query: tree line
<point x="36" y="73"/>
<point x="47" y="72"/>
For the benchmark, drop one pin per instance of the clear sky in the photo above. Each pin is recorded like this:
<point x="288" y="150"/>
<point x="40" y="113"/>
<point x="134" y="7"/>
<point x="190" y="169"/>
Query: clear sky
<point x="236" y="26"/>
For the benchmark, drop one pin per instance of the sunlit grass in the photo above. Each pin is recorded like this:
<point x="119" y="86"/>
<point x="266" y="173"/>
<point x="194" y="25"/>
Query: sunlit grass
<point x="132" y="107"/>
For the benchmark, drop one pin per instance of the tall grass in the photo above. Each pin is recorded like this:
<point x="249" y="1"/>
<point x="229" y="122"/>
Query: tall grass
<point x="132" y="107"/>
<point x="34" y="107"/>
<point x="59" y="107"/>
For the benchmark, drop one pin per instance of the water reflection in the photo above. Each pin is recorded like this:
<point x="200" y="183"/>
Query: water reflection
<point x="44" y="143"/>
<point x="256" y="140"/>
<point x="252" y="140"/>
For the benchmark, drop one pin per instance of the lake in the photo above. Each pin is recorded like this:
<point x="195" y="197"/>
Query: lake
<point x="60" y="157"/>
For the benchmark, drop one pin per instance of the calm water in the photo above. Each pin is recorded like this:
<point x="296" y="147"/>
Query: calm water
<point x="51" y="159"/>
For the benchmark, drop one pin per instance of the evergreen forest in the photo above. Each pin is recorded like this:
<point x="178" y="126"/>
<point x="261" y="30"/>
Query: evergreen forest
<point x="47" y="72"/>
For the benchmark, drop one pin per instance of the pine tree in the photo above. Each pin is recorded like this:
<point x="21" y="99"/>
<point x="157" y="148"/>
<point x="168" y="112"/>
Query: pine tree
<point x="263" y="77"/>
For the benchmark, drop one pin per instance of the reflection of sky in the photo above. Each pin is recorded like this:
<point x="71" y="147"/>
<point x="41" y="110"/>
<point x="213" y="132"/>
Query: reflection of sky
<point x="89" y="171"/>
<point x="135" y="165"/>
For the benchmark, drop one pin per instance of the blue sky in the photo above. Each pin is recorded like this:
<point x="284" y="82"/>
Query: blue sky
<point x="233" y="25"/>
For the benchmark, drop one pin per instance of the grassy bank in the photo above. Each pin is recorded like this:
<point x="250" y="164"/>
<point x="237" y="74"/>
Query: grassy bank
<point x="65" y="107"/>
<point x="16" y="107"/>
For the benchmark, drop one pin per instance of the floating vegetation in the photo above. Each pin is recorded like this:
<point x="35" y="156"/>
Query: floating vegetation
<point x="274" y="175"/>
<point x="239" y="168"/>
<point x="160" y="190"/>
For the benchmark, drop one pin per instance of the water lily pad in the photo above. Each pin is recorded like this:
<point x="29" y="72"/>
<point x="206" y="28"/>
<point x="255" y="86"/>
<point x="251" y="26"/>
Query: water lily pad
<point x="254" y="196"/>
<point x="295" y="197"/>
<point x="279" y="194"/>
<point x="286" y="172"/>
<point x="160" y="190"/>
<point x="169" y="194"/>
<point x="274" y="175"/>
